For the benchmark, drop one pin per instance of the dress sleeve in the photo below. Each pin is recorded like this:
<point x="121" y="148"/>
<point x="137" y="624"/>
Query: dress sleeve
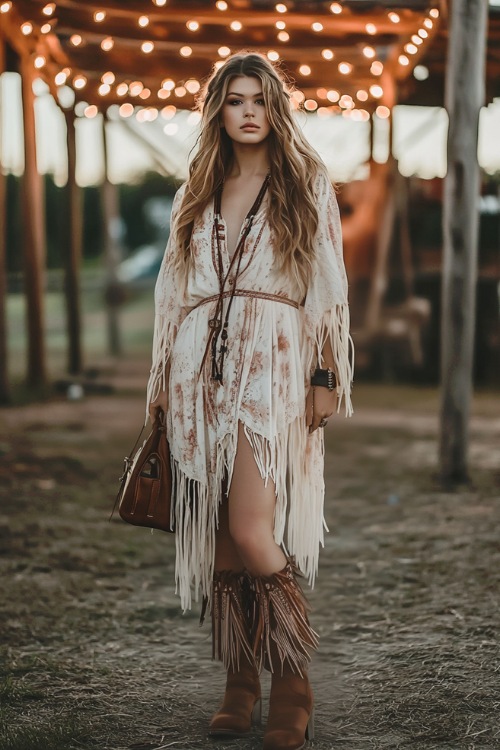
<point x="169" y="309"/>
<point x="326" y="309"/>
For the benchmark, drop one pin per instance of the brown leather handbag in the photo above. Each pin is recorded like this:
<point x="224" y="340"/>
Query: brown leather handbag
<point x="145" y="494"/>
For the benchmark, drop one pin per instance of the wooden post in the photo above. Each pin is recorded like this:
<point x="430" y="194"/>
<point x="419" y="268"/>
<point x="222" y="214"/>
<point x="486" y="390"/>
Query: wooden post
<point x="34" y="236"/>
<point x="112" y="254"/>
<point x="4" y="370"/>
<point x="72" y="240"/>
<point x="464" y="97"/>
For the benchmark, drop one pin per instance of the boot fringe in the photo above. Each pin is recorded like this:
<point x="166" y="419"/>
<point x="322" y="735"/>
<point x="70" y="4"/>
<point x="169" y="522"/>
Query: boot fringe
<point x="230" y="632"/>
<point x="281" y="629"/>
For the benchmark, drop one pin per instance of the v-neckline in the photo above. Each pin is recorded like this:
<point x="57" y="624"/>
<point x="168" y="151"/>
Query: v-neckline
<point x="224" y="222"/>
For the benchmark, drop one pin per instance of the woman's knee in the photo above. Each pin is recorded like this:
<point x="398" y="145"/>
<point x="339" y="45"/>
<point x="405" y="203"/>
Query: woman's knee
<point x="251" y="538"/>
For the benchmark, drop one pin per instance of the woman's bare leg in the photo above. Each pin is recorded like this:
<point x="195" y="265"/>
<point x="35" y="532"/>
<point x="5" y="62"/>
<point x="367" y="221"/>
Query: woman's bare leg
<point x="251" y="514"/>
<point x="226" y="554"/>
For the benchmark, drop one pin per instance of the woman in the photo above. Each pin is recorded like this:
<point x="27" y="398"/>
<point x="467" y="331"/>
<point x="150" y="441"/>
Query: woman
<point x="252" y="354"/>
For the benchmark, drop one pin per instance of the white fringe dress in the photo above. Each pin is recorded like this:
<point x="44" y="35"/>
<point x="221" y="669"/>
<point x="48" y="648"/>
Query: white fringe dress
<point x="273" y="348"/>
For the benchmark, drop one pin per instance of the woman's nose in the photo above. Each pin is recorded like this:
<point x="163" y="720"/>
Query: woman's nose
<point x="249" y="111"/>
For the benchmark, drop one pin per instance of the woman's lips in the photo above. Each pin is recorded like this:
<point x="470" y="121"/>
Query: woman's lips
<point x="249" y="126"/>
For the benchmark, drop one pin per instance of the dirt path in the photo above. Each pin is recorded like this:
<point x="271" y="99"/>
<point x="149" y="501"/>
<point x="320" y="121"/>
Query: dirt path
<point x="95" y="653"/>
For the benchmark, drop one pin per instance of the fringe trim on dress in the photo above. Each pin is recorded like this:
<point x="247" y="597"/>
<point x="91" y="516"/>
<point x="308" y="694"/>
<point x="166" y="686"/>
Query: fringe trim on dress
<point x="165" y="332"/>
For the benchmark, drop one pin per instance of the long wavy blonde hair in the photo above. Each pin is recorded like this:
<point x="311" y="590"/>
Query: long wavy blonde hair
<point x="292" y="212"/>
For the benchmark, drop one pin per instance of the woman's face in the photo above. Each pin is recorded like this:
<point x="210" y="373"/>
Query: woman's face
<point x="244" y="113"/>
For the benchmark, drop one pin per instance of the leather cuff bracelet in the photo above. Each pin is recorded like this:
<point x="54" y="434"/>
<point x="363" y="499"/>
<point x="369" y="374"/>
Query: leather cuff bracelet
<point x="324" y="378"/>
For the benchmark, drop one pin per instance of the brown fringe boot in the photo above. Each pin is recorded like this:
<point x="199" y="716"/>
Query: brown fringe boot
<point x="231" y="644"/>
<point x="283" y="640"/>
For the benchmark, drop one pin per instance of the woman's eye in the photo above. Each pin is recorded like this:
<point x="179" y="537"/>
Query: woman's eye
<point x="234" y="101"/>
<point x="260" y="101"/>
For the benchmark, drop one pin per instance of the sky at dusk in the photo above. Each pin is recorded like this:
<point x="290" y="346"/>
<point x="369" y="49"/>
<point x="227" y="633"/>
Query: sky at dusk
<point x="420" y="141"/>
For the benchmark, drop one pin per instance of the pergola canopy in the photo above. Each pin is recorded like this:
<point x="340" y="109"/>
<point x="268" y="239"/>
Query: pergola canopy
<point x="348" y="58"/>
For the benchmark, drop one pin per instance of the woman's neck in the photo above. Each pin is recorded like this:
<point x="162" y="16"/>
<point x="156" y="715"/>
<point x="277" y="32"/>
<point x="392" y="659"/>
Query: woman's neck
<point x="249" y="161"/>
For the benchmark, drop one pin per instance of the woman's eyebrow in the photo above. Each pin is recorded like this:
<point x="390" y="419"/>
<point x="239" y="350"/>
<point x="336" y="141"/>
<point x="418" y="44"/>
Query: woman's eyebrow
<point x="235" y="93"/>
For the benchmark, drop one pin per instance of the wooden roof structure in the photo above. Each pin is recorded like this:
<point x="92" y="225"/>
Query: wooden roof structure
<point x="345" y="57"/>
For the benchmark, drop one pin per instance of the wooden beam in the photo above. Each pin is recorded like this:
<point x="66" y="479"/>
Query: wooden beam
<point x="34" y="236"/>
<point x="72" y="250"/>
<point x="4" y="360"/>
<point x="464" y="98"/>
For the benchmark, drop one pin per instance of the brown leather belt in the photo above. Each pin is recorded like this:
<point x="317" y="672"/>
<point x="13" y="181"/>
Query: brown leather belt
<point x="250" y="293"/>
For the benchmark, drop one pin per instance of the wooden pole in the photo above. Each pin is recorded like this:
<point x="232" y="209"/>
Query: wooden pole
<point x="72" y="240"/>
<point x="34" y="236"/>
<point x="4" y="370"/>
<point x="464" y="96"/>
<point x="112" y="254"/>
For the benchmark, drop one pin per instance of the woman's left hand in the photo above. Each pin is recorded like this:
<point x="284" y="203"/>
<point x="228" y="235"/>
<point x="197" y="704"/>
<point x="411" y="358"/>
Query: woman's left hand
<point x="320" y="404"/>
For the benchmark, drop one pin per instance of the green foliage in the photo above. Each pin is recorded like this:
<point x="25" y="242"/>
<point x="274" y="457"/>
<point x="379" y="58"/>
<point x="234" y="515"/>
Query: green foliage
<point x="138" y="230"/>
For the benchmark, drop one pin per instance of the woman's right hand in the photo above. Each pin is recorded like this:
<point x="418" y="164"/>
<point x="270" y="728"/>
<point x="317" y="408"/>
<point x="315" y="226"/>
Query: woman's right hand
<point x="160" y="403"/>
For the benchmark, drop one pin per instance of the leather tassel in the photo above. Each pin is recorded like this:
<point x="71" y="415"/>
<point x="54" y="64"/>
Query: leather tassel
<point x="230" y="632"/>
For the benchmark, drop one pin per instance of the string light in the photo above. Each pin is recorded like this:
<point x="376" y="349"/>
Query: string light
<point x="368" y="52"/>
<point x="107" y="44"/>
<point x="135" y="88"/>
<point x="327" y="54"/>
<point x="346" y="102"/>
<point x="221" y="5"/>
<point x="236" y="25"/>
<point x="428" y="23"/>
<point x="160" y="3"/>
<point x="394" y="17"/>
<point x="305" y="70"/>
<point x="91" y="111"/>
<point x="383" y="112"/>
<point x="280" y="25"/>
<point x="126" y="109"/>
<point x="434" y="13"/>
<point x="108" y="77"/>
<point x="311" y="105"/>
<point x="168" y="84"/>
<point x="193" y="25"/>
<point x="421" y="72"/>
<point x="46" y="28"/>
<point x="281" y="8"/>
<point x="218" y="64"/>
<point x="376" y="91"/>
<point x="345" y="68"/>
<point x="273" y="55"/>
<point x="5" y="7"/>
<point x="321" y="93"/>
<point x="186" y="51"/>
<point x="168" y="112"/>
<point x="180" y="91"/>
<point x="411" y="49"/>
<point x="283" y="36"/>
<point x="163" y="94"/>
<point x="60" y="78"/>
<point x="99" y="16"/>
<point x="143" y="21"/>
<point x="192" y="85"/>
<point x="122" y="89"/>
<point x="39" y="61"/>
<point x="145" y="93"/>
<point x="416" y="39"/>
<point x="336" y="8"/>
<point x="103" y="89"/>
<point x="371" y="29"/>
<point x="362" y="95"/>
<point x="79" y="82"/>
<point x="75" y="40"/>
<point x="376" y="68"/>
<point x="298" y="96"/>
<point x="27" y="28"/>
<point x="49" y="9"/>
<point x="223" y="51"/>
<point x="332" y="95"/>
<point x="317" y="26"/>
<point x="403" y="60"/>
<point x="147" y="47"/>
<point x="423" y="33"/>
